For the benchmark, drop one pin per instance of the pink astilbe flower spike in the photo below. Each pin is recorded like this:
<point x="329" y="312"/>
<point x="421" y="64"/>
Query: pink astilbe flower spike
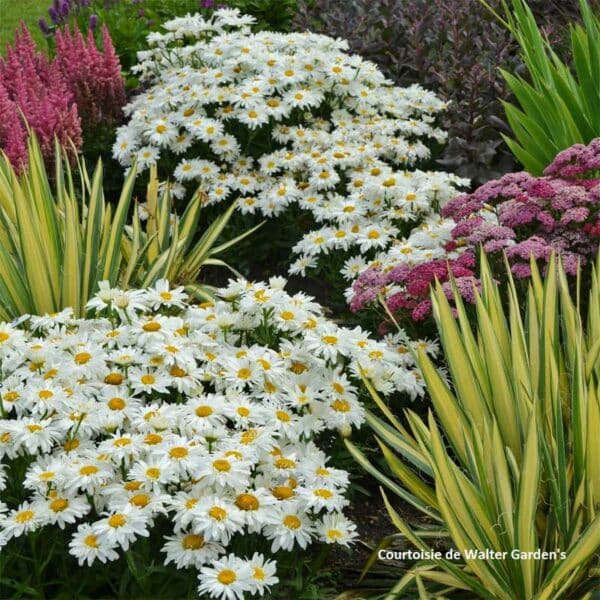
<point x="81" y="89"/>
<point x="36" y="87"/>
<point x="12" y="132"/>
<point x="93" y="77"/>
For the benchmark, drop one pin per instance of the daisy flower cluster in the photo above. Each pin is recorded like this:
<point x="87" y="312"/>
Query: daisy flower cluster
<point x="207" y="416"/>
<point x="280" y="119"/>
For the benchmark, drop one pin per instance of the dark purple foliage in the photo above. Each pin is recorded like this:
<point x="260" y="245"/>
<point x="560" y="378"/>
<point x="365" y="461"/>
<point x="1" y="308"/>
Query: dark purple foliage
<point x="451" y="47"/>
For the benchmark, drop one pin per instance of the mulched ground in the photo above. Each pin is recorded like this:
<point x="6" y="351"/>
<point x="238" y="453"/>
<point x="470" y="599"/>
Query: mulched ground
<point x="373" y="525"/>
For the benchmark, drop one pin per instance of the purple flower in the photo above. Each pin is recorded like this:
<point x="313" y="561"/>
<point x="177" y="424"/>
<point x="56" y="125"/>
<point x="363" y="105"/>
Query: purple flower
<point x="93" y="22"/>
<point x="421" y="311"/>
<point x="521" y="270"/>
<point x="65" y="8"/>
<point x="43" y="25"/>
<point x="54" y="15"/>
<point x="492" y="246"/>
<point x="547" y="221"/>
<point x="571" y="262"/>
<point x="575" y="215"/>
<point x="533" y="246"/>
<point x="466" y="287"/>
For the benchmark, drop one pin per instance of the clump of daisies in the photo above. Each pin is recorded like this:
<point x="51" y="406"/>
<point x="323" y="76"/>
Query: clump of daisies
<point x="280" y="119"/>
<point x="208" y="416"/>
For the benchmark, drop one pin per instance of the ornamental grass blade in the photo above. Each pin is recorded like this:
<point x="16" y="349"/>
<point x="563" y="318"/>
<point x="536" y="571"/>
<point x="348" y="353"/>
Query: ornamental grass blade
<point x="414" y="483"/>
<point x="400" y="442"/>
<point x="92" y="231"/>
<point x="42" y="288"/>
<point x="112" y="256"/>
<point x="71" y="279"/>
<point x="362" y="460"/>
<point x="459" y="363"/>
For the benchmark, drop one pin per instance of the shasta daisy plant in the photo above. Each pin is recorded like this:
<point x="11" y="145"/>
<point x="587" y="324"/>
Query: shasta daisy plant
<point x="204" y="417"/>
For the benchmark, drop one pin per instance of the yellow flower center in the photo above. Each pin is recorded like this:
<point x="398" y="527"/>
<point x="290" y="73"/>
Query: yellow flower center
<point x="116" y="404"/>
<point x="140" y="500"/>
<point x="283" y="492"/>
<point x="24" y="516"/>
<point x="217" y="513"/>
<point x="117" y="521"/>
<point x="114" y="379"/>
<point x="192" y="541"/>
<point x="82" y="358"/>
<point x="151" y="326"/>
<point x="248" y="436"/>
<point x="88" y="470"/>
<point x="148" y="379"/>
<point x="298" y="368"/>
<point x="178" y="452"/>
<point x="222" y="465"/>
<point x="152" y="439"/>
<point x="71" y="445"/>
<point x="322" y="493"/>
<point x="244" y="373"/>
<point x="191" y="502"/>
<point x="285" y="463"/>
<point x="247" y="502"/>
<point x="91" y="541"/>
<point x="283" y="416"/>
<point x="153" y="473"/>
<point x="292" y="522"/>
<point x="132" y="486"/>
<point x="226" y="577"/>
<point x="177" y="372"/>
<point x="204" y="411"/>
<point x="329" y="339"/>
<point x="340" y="406"/>
<point x="59" y="504"/>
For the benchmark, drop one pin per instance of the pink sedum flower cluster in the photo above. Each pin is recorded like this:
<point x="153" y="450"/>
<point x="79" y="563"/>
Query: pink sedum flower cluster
<point x="52" y="95"/>
<point x="518" y="214"/>
<point x="406" y="287"/>
<point x="528" y="216"/>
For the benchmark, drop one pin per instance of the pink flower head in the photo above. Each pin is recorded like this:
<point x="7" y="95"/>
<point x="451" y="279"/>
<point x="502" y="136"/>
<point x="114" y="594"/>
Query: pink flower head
<point x="93" y="77"/>
<point x="37" y="88"/>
